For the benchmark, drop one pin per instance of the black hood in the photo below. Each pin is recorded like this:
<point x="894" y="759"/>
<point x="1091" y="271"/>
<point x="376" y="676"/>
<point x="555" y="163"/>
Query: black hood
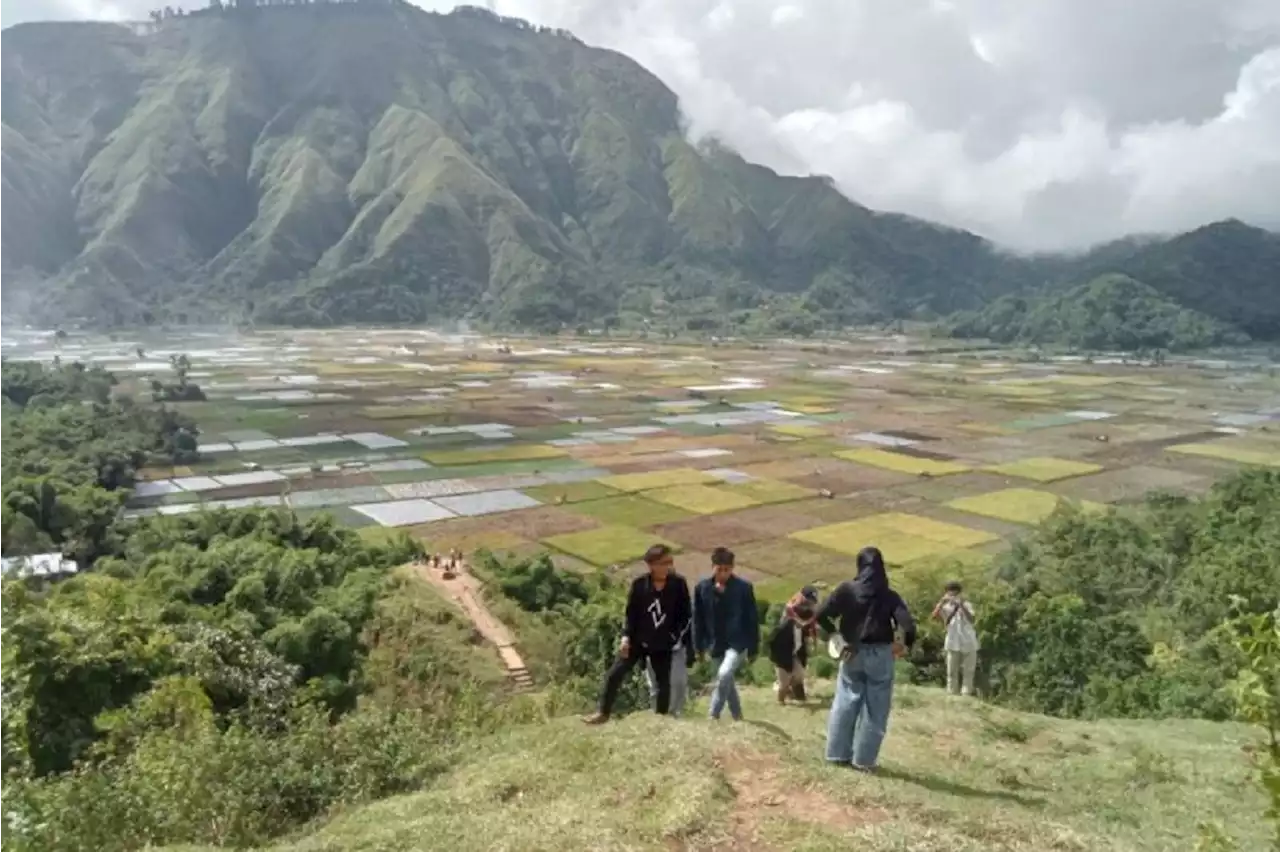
<point x="871" y="579"/>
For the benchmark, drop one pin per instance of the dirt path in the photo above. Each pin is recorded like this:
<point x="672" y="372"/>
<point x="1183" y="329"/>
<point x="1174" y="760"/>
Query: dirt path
<point x="465" y="591"/>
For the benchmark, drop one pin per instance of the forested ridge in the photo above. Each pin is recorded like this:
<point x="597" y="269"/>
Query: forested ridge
<point x="327" y="163"/>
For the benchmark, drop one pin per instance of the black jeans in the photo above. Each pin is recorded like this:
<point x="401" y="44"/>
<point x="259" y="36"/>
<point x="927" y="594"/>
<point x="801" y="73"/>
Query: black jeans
<point x="623" y="666"/>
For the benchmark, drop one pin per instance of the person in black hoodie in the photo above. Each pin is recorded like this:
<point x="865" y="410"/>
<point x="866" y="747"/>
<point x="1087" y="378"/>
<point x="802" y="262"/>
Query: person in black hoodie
<point x="657" y="622"/>
<point x="868" y="612"/>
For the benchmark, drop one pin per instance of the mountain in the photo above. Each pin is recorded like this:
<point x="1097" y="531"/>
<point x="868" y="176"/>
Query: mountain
<point x="1227" y="270"/>
<point x="371" y="162"/>
<point x="1113" y="311"/>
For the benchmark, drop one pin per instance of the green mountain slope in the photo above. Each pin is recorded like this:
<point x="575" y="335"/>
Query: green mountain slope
<point x="1112" y="311"/>
<point x="1227" y="270"/>
<point x="956" y="775"/>
<point x="368" y="161"/>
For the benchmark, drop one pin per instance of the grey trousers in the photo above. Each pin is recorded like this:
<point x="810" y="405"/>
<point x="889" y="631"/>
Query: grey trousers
<point x="679" y="683"/>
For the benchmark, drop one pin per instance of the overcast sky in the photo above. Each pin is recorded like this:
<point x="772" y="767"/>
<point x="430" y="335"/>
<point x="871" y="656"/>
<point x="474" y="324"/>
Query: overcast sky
<point x="1043" y="124"/>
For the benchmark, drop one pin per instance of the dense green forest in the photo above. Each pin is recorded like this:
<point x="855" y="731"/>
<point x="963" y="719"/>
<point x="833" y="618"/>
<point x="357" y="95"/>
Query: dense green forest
<point x="224" y="677"/>
<point x="216" y="676"/>
<point x="323" y="163"/>
<point x="1111" y="312"/>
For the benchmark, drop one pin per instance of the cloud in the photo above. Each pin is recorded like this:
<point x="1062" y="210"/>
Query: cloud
<point x="1052" y="124"/>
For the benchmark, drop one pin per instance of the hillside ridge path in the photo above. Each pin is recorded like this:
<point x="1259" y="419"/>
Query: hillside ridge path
<point x="463" y="589"/>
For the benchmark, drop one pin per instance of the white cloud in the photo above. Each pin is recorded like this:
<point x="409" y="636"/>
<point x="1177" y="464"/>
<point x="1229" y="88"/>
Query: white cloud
<point x="1047" y="124"/>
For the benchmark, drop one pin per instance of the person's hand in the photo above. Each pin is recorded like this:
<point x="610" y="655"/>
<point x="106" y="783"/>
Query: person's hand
<point x="899" y="650"/>
<point x="624" y="647"/>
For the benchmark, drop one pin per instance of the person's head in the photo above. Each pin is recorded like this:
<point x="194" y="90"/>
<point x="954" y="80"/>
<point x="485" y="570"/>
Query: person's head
<point x="953" y="588"/>
<point x="872" y="578"/>
<point x="659" y="560"/>
<point x="809" y="594"/>
<point x="722" y="563"/>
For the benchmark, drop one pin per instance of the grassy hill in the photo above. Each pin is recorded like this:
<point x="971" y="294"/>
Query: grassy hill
<point x="371" y="162"/>
<point x="958" y="775"/>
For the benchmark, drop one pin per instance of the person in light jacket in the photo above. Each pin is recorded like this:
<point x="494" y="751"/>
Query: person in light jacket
<point x="961" y="645"/>
<point x="726" y="625"/>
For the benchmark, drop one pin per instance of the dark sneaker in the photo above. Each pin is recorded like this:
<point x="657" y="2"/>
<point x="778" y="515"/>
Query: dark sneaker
<point x="865" y="770"/>
<point x="596" y="719"/>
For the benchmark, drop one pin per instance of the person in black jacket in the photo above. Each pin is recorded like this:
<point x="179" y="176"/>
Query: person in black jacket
<point x="657" y="622"/>
<point x="868" y="612"/>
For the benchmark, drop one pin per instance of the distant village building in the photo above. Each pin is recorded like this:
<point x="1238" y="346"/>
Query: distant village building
<point x="47" y="566"/>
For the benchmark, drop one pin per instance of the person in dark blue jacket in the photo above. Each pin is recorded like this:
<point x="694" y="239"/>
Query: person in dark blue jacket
<point x="726" y="625"/>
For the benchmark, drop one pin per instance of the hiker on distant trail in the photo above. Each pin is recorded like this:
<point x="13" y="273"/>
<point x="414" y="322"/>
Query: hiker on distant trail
<point x="868" y="611"/>
<point x="726" y="625"/>
<point x="961" y="644"/>
<point x="789" y="644"/>
<point x="657" y="621"/>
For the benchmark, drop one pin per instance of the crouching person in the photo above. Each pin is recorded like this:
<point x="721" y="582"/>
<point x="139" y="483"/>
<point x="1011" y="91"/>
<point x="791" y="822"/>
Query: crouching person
<point x="789" y="649"/>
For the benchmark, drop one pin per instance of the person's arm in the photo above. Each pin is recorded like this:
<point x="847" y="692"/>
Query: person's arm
<point x="753" y="622"/>
<point x="684" y="616"/>
<point x="699" y="621"/>
<point x="832" y="608"/>
<point x="937" y="609"/>
<point x="631" y="623"/>
<point x="902" y="618"/>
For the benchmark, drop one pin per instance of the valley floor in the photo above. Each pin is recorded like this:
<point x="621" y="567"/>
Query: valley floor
<point x="957" y="775"/>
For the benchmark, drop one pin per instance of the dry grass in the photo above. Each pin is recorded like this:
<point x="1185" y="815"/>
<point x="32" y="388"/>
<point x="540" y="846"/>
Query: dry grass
<point x="902" y="538"/>
<point x="770" y="491"/>
<point x="1229" y="452"/>
<point x="956" y="775"/>
<point x="1020" y="505"/>
<point x="658" y="479"/>
<point x="702" y="499"/>
<point x="607" y="545"/>
<point x="1045" y="468"/>
<point x="900" y="462"/>
<point x="630" y="510"/>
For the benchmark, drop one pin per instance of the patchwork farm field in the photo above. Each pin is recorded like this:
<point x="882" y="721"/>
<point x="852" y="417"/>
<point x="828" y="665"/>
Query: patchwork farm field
<point x="794" y="456"/>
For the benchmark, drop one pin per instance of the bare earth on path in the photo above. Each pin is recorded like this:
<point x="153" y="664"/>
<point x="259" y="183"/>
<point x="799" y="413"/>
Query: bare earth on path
<point x="464" y="590"/>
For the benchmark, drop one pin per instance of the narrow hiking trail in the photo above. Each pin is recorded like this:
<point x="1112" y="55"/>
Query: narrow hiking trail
<point x="464" y="590"/>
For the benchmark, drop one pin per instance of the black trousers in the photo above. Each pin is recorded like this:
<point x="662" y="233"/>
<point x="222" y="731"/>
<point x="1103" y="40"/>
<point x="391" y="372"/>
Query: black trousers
<point x="623" y="666"/>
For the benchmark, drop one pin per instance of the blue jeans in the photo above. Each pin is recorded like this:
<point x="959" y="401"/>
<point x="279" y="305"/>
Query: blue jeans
<point x="725" y="689"/>
<point x="860" y="712"/>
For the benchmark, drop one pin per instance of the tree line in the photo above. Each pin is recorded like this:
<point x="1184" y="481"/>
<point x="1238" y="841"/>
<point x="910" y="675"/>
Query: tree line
<point x="216" y="7"/>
